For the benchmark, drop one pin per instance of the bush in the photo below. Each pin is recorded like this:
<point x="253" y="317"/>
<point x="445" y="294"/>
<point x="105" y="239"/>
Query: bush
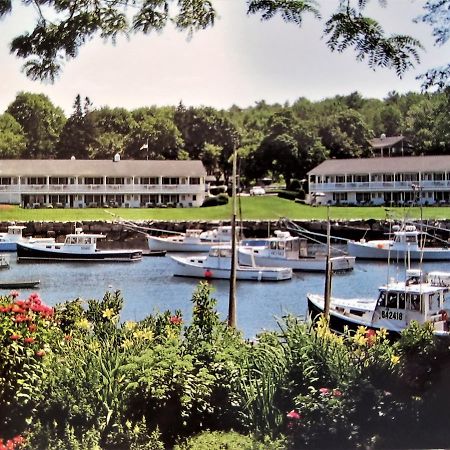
<point x="221" y="199"/>
<point x="289" y="195"/>
<point x="230" y="441"/>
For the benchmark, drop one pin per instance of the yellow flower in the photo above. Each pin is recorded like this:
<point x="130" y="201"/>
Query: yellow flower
<point x="127" y="343"/>
<point x="109" y="313"/>
<point x="395" y="359"/>
<point x="382" y="333"/>
<point x="360" y="339"/>
<point x="83" y="323"/>
<point x="130" y="325"/>
<point x="145" y="334"/>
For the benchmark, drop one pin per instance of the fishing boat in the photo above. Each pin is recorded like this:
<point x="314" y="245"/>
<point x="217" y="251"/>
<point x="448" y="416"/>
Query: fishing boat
<point x="193" y="240"/>
<point x="77" y="246"/>
<point x="284" y="250"/>
<point x="217" y="265"/>
<point x="398" y="303"/>
<point x="404" y="242"/>
<point x="9" y="240"/>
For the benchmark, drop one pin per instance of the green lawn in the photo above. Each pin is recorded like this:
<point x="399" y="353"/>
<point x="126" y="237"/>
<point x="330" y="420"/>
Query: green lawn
<point x="252" y="208"/>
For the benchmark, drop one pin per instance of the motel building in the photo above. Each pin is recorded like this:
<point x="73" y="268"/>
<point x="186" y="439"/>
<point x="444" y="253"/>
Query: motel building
<point x="98" y="183"/>
<point x="387" y="181"/>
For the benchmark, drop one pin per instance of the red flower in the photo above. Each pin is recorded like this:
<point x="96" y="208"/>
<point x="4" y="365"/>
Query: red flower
<point x="14" y="294"/>
<point x="32" y="327"/>
<point x="293" y="415"/>
<point x="29" y="340"/>
<point x="40" y="353"/>
<point x="324" y="391"/>
<point x="15" y="337"/>
<point x="337" y="393"/>
<point x="175" y="320"/>
<point x="17" y="309"/>
<point x="68" y="337"/>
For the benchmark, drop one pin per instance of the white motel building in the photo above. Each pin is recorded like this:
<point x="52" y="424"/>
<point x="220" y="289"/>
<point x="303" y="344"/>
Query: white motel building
<point x="90" y="183"/>
<point x="381" y="181"/>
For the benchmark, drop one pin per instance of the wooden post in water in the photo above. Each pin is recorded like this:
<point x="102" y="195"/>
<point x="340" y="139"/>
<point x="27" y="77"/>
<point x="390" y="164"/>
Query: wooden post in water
<point x="232" y="298"/>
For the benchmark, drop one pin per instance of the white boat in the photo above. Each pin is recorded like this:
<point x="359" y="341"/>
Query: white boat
<point x="9" y="240"/>
<point x="284" y="250"/>
<point x="405" y="242"/>
<point x="217" y="265"/>
<point x="78" y="246"/>
<point x="193" y="240"/>
<point x="420" y="298"/>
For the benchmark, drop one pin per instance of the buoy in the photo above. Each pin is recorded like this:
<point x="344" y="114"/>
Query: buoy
<point x="208" y="273"/>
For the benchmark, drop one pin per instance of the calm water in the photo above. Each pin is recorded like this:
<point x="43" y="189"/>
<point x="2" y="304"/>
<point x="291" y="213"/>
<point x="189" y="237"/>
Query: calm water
<point x="149" y="286"/>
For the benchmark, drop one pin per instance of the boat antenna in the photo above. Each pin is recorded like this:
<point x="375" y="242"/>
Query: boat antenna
<point x="329" y="270"/>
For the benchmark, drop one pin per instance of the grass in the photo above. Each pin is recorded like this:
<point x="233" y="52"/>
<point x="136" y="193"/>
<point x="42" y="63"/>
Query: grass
<point x="251" y="208"/>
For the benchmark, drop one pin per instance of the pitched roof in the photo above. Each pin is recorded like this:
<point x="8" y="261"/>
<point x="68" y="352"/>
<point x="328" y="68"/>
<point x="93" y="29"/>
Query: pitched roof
<point x="440" y="163"/>
<point x="386" y="141"/>
<point x="96" y="168"/>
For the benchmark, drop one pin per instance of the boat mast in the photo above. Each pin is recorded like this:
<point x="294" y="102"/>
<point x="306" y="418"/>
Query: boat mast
<point x="327" y="293"/>
<point x="232" y="298"/>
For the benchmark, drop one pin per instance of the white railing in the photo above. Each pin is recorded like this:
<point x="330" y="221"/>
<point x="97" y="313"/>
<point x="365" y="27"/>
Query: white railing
<point x="378" y="186"/>
<point x="103" y="188"/>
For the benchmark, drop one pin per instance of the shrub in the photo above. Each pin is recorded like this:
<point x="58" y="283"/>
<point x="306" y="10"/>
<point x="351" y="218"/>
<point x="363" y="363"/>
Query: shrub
<point x="221" y="199"/>
<point x="289" y="195"/>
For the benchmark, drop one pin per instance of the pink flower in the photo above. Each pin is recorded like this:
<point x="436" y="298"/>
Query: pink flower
<point x="293" y="415"/>
<point x="40" y="353"/>
<point x="14" y="294"/>
<point x="324" y="391"/>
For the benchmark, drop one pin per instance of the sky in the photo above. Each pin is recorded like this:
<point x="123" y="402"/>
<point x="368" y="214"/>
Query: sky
<point x="239" y="61"/>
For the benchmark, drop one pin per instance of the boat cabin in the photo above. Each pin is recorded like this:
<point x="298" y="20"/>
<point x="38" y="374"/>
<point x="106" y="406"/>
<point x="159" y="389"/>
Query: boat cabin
<point x="406" y="237"/>
<point x="14" y="233"/>
<point x="415" y="299"/>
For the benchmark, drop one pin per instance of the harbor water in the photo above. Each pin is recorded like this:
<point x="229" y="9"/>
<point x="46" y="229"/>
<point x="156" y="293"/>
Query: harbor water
<point x="148" y="286"/>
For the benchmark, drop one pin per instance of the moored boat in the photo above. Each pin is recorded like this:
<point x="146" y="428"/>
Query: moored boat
<point x="19" y="284"/>
<point x="217" y="265"/>
<point x="9" y="240"/>
<point x="404" y="243"/>
<point x="77" y="246"/>
<point x="419" y="298"/>
<point x="284" y="250"/>
<point x="193" y="240"/>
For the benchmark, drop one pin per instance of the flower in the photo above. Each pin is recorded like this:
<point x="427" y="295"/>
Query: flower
<point x="130" y="325"/>
<point x="324" y="391"/>
<point x="40" y="353"/>
<point x="15" y="337"/>
<point x="14" y="294"/>
<point x="29" y="340"/>
<point x="83" y="323"/>
<point x="32" y="327"/>
<point x="176" y="320"/>
<point x="337" y="393"/>
<point x="108" y="313"/>
<point x="395" y="359"/>
<point x="293" y="415"/>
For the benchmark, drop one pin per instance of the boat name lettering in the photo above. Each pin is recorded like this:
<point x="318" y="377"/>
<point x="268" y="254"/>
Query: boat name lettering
<point x="394" y="315"/>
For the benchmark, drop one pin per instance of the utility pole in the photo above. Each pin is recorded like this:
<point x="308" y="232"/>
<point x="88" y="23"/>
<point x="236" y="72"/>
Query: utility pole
<point x="232" y="298"/>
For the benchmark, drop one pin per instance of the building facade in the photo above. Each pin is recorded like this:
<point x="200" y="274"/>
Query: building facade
<point x="96" y="183"/>
<point x="381" y="181"/>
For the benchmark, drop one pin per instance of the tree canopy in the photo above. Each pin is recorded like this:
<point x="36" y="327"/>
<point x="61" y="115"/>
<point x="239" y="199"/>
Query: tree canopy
<point x="62" y="27"/>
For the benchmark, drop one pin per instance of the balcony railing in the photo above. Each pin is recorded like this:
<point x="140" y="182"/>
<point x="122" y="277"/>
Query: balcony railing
<point x="379" y="186"/>
<point x="102" y="188"/>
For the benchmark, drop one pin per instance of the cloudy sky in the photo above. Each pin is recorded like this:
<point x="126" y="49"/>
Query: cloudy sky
<point x="240" y="61"/>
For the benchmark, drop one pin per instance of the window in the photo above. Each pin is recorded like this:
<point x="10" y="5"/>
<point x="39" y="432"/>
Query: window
<point x="170" y="180"/>
<point x="340" y="178"/>
<point x="340" y="196"/>
<point x="4" y="181"/>
<point x="115" y="180"/>
<point x="361" y="178"/>
<point x="37" y="180"/>
<point x="391" y="300"/>
<point x="194" y="180"/>
<point x="149" y="180"/>
<point x="58" y="180"/>
<point x="96" y="180"/>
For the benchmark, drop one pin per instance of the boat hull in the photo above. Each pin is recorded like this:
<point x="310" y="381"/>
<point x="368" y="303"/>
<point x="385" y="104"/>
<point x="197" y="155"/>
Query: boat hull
<point x="19" y="284"/>
<point x="8" y="246"/>
<point x="35" y="253"/>
<point x="186" y="268"/>
<point x="167" y="245"/>
<point x="372" y="251"/>
<point x="312" y="264"/>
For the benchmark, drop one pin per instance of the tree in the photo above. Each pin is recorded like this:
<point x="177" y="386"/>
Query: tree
<point x="61" y="28"/>
<point x="346" y="135"/>
<point x="41" y="122"/>
<point x="12" y="138"/>
<point x="79" y="135"/>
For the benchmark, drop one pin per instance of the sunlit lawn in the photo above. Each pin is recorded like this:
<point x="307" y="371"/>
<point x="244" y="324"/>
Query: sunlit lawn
<point x="250" y="208"/>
